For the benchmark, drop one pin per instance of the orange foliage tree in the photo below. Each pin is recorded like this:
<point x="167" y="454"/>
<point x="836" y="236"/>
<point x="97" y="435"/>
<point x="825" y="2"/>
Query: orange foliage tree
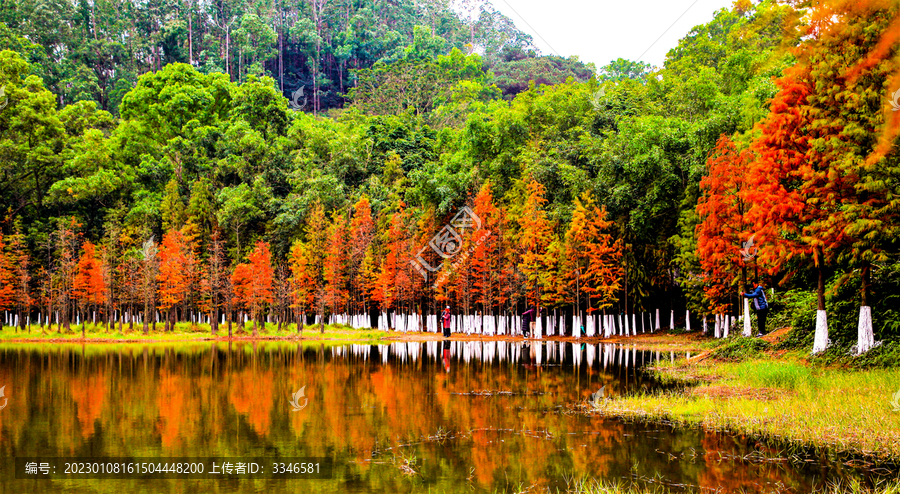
<point x="725" y="243"/>
<point x="173" y="279"/>
<point x="591" y="264"/>
<point x="362" y="232"/>
<point x="7" y="279"/>
<point x="335" y="265"/>
<point x="253" y="281"/>
<point x="487" y="251"/>
<point x="89" y="286"/>
<point x="821" y="181"/>
<point x="535" y="236"/>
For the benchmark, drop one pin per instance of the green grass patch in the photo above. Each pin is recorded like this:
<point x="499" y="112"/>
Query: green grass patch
<point x="782" y="375"/>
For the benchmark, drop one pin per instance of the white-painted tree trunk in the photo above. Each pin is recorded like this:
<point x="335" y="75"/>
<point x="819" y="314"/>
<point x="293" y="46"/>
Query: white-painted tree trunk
<point x="704" y="324"/>
<point x="657" y="319"/>
<point x="748" y="331"/>
<point x="537" y="328"/>
<point x="672" y="320"/>
<point x="727" y="325"/>
<point x="866" y="335"/>
<point x="687" y="320"/>
<point x="821" y="341"/>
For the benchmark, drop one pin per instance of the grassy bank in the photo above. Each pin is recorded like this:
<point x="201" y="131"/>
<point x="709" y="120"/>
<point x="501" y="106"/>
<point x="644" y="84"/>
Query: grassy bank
<point x="746" y="386"/>
<point x="190" y="332"/>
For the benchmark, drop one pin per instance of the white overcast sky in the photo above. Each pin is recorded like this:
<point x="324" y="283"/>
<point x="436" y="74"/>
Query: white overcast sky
<point x="601" y="31"/>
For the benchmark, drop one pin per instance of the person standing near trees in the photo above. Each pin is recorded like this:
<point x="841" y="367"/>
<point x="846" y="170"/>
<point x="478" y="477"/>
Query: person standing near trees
<point x="760" y="305"/>
<point x="445" y="317"/>
<point x="527" y="319"/>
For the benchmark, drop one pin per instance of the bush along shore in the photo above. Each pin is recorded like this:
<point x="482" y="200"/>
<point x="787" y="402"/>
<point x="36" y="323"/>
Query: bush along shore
<point x="773" y="388"/>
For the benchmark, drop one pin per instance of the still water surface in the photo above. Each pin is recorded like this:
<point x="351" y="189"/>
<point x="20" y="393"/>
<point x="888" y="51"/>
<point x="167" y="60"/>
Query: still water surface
<point x="406" y="417"/>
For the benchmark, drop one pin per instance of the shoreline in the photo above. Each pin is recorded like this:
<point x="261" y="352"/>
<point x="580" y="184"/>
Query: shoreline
<point x="688" y="342"/>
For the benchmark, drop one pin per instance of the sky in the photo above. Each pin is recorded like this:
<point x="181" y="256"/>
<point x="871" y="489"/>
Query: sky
<point x="600" y="31"/>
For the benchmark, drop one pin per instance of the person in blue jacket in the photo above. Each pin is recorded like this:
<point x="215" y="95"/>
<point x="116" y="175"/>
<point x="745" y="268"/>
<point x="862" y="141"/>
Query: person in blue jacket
<point x="760" y="305"/>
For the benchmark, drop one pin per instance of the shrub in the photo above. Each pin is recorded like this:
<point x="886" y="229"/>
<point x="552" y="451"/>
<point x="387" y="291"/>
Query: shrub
<point x="739" y="348"/>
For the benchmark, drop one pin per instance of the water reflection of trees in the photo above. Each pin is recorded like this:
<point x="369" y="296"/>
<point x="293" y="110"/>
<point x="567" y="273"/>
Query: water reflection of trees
<point x="500" y="403"/>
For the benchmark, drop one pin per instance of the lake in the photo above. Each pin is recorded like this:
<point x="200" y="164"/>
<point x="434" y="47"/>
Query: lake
<point x="406" y="417"/>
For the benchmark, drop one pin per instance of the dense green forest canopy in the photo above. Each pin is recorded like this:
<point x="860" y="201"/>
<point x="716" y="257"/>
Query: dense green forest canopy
<point x="95" y="51"/>
<point x="428" y="113"/>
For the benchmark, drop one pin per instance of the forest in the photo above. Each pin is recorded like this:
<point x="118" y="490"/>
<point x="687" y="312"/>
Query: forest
<point x="765" y="149"/>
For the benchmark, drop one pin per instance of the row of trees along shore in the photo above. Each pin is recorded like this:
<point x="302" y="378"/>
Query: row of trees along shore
<point x="765" y="149"/>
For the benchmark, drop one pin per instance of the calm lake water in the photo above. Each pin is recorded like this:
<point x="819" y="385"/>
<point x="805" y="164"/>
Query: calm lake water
<point x="405" y="417"/>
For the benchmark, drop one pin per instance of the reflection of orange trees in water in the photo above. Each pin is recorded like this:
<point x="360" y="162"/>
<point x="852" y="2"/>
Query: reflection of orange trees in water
<point x="170" y="401"/>
<point x="186" y="406"/>
<point x="89" y="394"/>
<point x="603" y="448"/>
<point x="726" y="472"/>
<point x="251" y="395"/>
<point x="415" y="408"/>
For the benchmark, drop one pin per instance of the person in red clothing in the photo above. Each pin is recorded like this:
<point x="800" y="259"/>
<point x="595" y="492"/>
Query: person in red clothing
<point x="445" y="317"/>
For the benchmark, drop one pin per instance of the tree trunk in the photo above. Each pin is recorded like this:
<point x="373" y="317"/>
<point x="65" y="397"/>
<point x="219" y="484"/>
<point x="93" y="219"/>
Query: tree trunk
<point x="821" y="339"/>
<point x="865" y="334"/>
<point x="190" y="36"/>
